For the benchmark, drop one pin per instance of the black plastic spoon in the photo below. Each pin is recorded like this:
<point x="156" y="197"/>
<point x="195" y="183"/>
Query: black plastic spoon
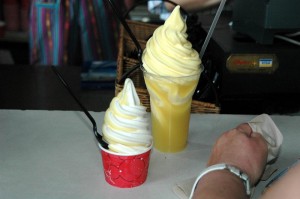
<point x="97" y="135"/>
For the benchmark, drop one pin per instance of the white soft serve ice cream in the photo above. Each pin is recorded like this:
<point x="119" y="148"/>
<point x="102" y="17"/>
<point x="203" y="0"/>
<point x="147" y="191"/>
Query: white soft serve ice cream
<point x="168" y="52"/>
<point x="126" y="125"/>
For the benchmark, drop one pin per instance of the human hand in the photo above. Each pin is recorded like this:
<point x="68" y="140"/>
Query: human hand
<point x="129" y="4"/>
<point x="243" y="148"/>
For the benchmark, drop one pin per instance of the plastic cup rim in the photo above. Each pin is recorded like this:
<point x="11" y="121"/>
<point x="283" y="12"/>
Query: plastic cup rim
<point x="167" y="76"/>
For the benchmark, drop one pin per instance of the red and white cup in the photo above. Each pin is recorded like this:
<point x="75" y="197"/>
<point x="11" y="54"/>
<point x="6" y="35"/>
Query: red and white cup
<point x="125" y="171"/>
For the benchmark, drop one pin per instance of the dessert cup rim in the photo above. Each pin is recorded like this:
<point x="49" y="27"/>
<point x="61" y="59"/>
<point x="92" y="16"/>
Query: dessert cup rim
<point x="124" y="154"/>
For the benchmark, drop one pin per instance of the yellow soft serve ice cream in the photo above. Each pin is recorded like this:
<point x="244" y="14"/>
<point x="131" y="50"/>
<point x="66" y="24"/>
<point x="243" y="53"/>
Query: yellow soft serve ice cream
<point x="126" y="125"/>
<point x="171" y="70"/>
<point x="168" y="52"/>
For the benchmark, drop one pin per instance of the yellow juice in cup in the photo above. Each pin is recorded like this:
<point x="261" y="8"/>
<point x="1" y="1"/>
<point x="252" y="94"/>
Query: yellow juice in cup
<point x="171" y="71"/>
<point x="170" y="99"/>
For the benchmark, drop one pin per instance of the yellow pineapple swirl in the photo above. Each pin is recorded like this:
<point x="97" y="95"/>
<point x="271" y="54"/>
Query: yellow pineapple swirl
<point x="168" y="52"/>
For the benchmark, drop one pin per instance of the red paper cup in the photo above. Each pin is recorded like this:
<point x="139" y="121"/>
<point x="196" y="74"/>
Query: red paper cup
<point x="125" y="171"/>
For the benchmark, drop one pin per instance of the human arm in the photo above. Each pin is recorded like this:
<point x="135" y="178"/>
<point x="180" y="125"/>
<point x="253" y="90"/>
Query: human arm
<point x="192" y="5"/>
<point x="220" y="184"/>
<point x="239" y="147"/>
<point x="129" y="4"/>
<point x="285" y="187"/>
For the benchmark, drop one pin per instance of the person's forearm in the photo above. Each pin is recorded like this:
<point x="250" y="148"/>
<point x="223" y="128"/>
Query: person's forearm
<point x="192" y="5"/>
<point x="220" y="184"/>
<point x="285" y="187"/>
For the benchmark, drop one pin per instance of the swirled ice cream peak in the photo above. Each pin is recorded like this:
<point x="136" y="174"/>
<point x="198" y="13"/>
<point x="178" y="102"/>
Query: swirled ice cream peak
<point x="168" y="52"/>
<point x="126" y="125"/>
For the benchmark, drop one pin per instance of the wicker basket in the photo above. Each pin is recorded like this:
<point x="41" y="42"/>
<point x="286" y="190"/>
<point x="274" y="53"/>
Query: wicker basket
<point x="127" y="60"/>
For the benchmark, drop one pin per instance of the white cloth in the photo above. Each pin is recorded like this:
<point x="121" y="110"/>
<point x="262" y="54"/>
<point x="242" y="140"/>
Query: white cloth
<point x="262" y="124"/>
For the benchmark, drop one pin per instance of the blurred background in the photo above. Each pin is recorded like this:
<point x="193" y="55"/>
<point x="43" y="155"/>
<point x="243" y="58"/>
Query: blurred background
<point x="252" y="63"/>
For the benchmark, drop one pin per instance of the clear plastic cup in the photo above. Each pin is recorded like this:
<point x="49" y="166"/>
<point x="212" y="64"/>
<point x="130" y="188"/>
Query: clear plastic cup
<point x="170" y="102"/>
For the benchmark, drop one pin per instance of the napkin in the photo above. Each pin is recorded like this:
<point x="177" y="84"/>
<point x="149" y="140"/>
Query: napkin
<point x="262" y="124"/>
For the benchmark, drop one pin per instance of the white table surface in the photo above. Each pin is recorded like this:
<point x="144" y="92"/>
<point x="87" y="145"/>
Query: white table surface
<point x="53" y="154"/>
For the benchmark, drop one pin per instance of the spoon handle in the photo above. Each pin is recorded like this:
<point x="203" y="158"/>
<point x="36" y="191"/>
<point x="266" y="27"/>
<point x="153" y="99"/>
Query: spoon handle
<point x="97" y="135"/>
